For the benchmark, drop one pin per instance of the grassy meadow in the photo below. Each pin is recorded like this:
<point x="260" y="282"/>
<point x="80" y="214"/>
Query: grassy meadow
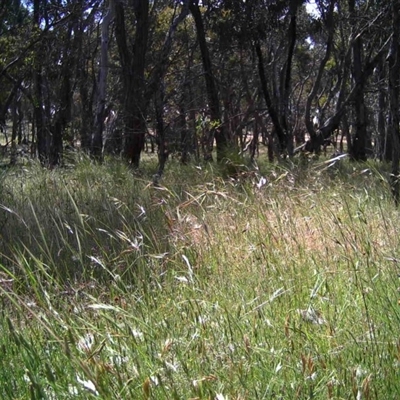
<point x="205" y="286"/>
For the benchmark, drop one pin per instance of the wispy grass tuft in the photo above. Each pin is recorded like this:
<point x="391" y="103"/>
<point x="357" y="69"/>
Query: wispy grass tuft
<point x="275" y="283"/>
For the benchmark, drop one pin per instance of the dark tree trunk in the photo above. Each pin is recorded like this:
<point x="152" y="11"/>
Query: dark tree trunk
<point x="86" y="81"/>
<point x="101" y="87"/>
<point x="187" y="138"/>
<point x="161" y="132"/>
<point x="86" y="111"/>
<point x="255" y="138"/>
<point x="187" y="117"/>
<point x="133" y="62"/>
<point x="135" y="131"/>
<point x="273" y="113"/>
<point x="63" y="114"/>
<point x="287" y="76"/>
<point x="7" y="103"/>
<point x="56" y="147"/>
<point x="136" y="114"/>
<point x="41" y="132"/>
<point x="358" y="148"/>
<point x="137" y="90"/>
<point x="383" y="138"/>
<point x="315" y="139"/>
<point x="394" y="91"/>
<point x="14" y="132"/>
<point x="333" y="122"/>
<point x="212" y="91"/>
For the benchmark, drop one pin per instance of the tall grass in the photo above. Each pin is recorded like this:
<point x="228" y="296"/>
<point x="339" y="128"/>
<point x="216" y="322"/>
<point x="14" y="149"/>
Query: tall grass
<point x="204" y="286"/>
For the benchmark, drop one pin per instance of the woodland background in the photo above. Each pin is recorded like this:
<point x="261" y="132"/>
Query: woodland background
<point x="272" y="273"/>
<point x="123" y="76"/>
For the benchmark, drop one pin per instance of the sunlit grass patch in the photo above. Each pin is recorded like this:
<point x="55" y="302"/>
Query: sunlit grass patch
<point x="204" y="286"/>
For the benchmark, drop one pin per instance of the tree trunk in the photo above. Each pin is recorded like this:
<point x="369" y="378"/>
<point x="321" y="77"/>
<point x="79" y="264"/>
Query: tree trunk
<point x="161" y="134"/>
<point x="394" y="90"/>
<point x="14" y="117"/>
<point x="358" y="149"/>
<point x="218" y="129"/>
<point x="287" y="76"/>
<point x="315" y="139"/>
<point x="273" y="113"/>
<point x="137" y="91"/>
<point x="343" y="101"/>
<point x="41" y="133"/>
<point x="383" y="142"/>
<point x="62" y="116"/>
<point x="133" y="62"/>
<point x="101" y="88"/>
<point x="86" y="126"/>
<point x="186" y="133"/>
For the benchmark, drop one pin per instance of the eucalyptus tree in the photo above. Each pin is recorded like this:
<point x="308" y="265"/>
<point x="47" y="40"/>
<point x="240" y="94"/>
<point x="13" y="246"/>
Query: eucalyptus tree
<point x="353" y="51"/>
<point x="248" y="52"/>
<point x="218" y="128"/>
<point x="327" y="31"/>
<point x="91" y="79"/>
<point x="274" y="35"/>
<point x="135" y="22"/>
<point x="14" y="34"/>
<point x="101" y="84"/>
<point x="235" y="73"/>
<point x="370" y="38"/>
<point x="55" y="73"/>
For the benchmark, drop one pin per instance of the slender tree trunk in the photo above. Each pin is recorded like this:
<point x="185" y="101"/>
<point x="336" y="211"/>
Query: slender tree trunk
<point x="137" y="90"/>
<point x="63" y="114"/>
<point x="41" y="133"/>
<point x="394" y="94"/>
<point x="255" y="139"/>
<point x="101" y="87"/>
<point x="14" y="116"/>
<point x="135" y="98"/>
<point x="133" y="62"/>
<point x="383" y="143"/>
<point x="86" y="125"/>
<point x="273" y="113"/>
<point x="212" y="91"/>
<point x="188" y="140"/>
<point x="135" y="125"/>
<point x="358" y="149"/>
<point x="161" y="132"/>
<point x="287" y="81"/>
<point x="7" y="103"/>
<point x="315" y="139"/>
<point x="344" y="98"/>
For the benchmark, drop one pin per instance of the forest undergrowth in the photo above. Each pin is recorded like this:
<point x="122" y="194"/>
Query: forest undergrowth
<point x="279" y="283"/>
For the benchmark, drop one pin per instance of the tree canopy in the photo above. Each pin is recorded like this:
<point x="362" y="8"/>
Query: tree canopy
<point x="118" y="76"/>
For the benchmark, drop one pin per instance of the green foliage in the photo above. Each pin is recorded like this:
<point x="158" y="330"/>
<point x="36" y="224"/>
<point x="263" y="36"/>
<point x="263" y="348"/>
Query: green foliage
<point x="282" y="290"/>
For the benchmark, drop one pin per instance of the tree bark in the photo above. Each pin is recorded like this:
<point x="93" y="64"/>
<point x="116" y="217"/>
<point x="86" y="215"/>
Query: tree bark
<point x="344" y="99"/>
<point x="287" y="74"/>
<point x="161" y="132"/>
<point x="101" y="87"/>
<point x="137" y="91"/>
<point x="315" y="140"/>
<point x="383" y="137"/>
<point x="394" y="92"/>
<point x="62" y="115"/>
<point x="41" y="133"/>
<point x="359" y="142"/>
<point x="218" y="127"/>
<point x="133" y="62"/>
<point x="273" y="113"/>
